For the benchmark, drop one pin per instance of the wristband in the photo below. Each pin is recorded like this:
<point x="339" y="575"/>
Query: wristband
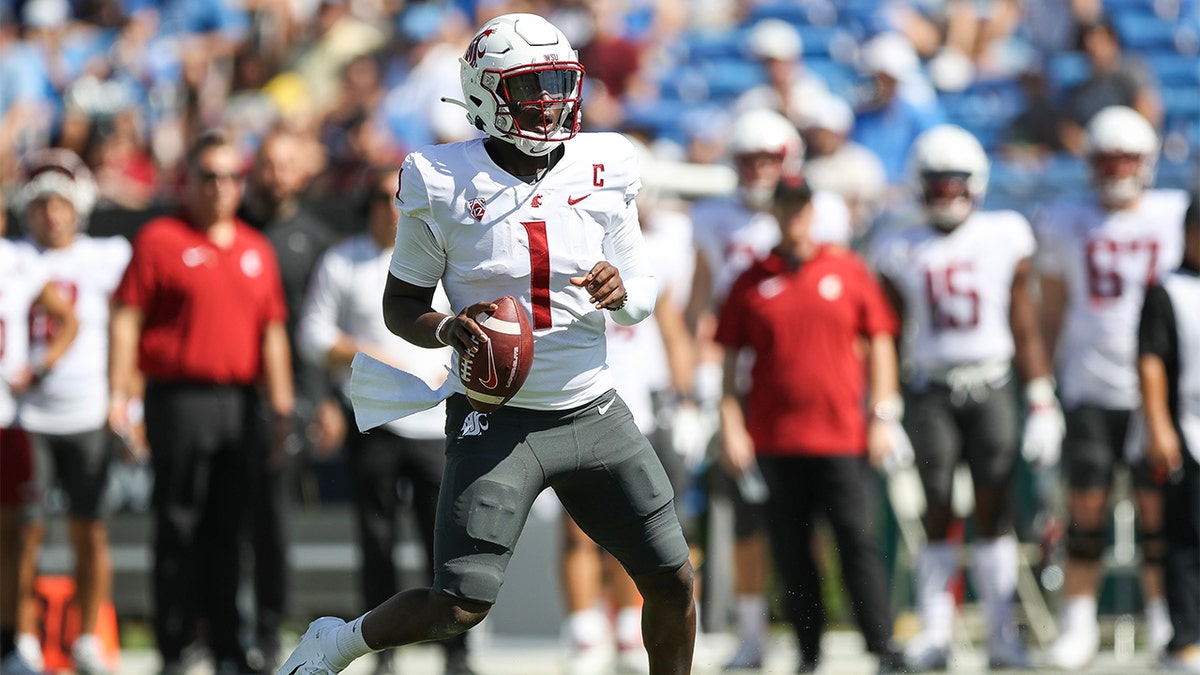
<point x="619" y="305"/>
<point x="1039" y="392"/>
<point x="437" y="333"/>
<point x="888" y="410"/>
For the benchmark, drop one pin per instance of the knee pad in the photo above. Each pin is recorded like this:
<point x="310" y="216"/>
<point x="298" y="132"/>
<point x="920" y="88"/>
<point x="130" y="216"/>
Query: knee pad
<point x="1153" y="545"/>
<point x="1086" y="544"/>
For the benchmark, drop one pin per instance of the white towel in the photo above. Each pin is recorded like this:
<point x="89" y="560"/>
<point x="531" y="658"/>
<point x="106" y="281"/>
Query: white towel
<point x="380" y="393"/>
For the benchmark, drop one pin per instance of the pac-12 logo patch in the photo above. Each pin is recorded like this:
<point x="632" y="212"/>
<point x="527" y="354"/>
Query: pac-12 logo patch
<point x="476" y="207"/>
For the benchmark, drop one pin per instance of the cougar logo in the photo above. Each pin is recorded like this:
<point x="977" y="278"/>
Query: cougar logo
<point x="476" y="48"/>
<point x="537" y="201"/>
<point x="474" y="425"/>
<point x="476" y="207"/>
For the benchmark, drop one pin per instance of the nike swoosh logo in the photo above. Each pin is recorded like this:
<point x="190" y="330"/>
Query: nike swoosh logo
<point x="295" y="669"/>
<point x="493" y="377"/>
<point x="604" y="407"/>
<point x="572" y="201"/>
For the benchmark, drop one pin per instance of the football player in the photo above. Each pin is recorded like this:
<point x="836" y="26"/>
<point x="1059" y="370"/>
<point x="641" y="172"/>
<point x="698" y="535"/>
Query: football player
<point x="26" y="282"/>
<point x="546" y="214"/>
<point x="65" y="409"/>
<point x="961" y="280"/>
<point x="1098" y="253"/>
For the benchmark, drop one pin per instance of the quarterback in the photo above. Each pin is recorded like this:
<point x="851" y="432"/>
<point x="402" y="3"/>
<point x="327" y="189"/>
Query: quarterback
<point x="540" y="212"/>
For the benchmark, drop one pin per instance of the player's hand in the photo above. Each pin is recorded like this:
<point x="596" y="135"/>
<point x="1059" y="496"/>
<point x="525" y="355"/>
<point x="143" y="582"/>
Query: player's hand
<point x="1163" y="451"/>
<point x="888" y="446"/>
<point x="1041" y="444"/>
<point x="604" y="285"/>
<point x="462" y="333"/>
<point x="690" y="433"/>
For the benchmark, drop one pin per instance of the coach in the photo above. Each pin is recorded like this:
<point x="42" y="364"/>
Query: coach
<point x="200" y="313"/>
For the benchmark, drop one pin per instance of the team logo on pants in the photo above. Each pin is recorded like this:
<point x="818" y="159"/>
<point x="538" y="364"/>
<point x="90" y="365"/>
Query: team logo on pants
<point x="474" y="425"/>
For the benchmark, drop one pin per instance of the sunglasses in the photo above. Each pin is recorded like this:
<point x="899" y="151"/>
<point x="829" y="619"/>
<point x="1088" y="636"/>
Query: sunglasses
<point x="213" y="177"/>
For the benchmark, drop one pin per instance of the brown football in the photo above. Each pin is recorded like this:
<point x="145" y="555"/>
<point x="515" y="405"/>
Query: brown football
<point x="499" y="368"/>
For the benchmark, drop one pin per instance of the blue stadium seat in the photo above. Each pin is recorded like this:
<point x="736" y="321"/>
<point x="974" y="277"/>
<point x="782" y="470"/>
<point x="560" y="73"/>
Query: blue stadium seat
<point x="716" y="44"/>
<point x="1141" y="31"/>
<point x="1181" y="101"/>
<point x="1173" y="68"/>
<point x="729" y="77"/>
<point x="1067" y="69"/>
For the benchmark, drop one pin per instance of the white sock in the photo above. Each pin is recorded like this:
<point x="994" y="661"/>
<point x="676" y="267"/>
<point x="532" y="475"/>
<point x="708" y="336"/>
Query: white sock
<point x="345" y="643"/>
<point x="752" y="619"/>
<point x="588" y="626"/>
<point x="994" y="573"/>
<point x="936" y="563"/>
<point x="629" y="626"/>
<point x="1079" y="613"/>
<point x="29" y="646"/>
<point x="1158" y="624"/>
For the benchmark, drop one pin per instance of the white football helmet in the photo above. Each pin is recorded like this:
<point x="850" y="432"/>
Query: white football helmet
<point x="56" y="171"/>
<point x="950" y="173"/>
<point x="763" y="132"/>
<point x="522" y="83"/>
<point x="1123" y="150"/>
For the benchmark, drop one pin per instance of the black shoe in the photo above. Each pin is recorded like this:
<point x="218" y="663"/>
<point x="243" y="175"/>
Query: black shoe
<point x="892" y="661"/>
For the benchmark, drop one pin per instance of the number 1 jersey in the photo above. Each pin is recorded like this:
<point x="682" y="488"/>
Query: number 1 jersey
<point x="486" y="233"/>
<point x="1107" y="259"/>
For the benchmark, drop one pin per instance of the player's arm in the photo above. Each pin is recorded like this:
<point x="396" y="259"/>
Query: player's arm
<point x="408" y="312"/>
<point x="1032" y="361"/>
<point x="60" y="310"/>
<point x="737" y="447"/>
<point x="624" y="282"/>
<point x="1158" y="343"/>
<point x="677" y="341"/>
<point x="1054" y="303"/>
<point x="701" y="294"/>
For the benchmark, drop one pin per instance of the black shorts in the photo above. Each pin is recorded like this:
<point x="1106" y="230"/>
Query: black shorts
<point x="79" y="463"/>
<point x="1095" y="444"/>
<point x="980" y="429"/>
<point x="601" y="466"/>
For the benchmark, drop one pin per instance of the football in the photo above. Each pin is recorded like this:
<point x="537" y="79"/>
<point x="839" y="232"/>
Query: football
<point x="498" y="369"/>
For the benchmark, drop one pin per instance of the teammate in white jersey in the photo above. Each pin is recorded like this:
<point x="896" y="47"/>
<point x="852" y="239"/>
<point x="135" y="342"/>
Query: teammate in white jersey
<point x="962" y="283"/>
<point x="547" y="215"/>
<point x="25" y="283"/>
<point x="730" y="233"/>
<point x="1097" y="256"/>
<point x="65" y="411"/>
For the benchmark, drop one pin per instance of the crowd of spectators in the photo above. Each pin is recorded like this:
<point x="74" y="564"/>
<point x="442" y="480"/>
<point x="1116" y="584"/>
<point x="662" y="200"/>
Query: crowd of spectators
<point x="124" y="83"/>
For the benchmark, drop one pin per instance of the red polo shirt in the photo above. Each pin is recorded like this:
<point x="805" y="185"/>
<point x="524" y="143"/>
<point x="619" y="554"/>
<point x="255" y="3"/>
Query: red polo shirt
<point x="205" y="307"/>
<point x="804" y="326"/>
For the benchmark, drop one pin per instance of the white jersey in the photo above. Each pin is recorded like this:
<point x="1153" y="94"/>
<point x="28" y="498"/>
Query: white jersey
<point x="344" y="298"/>
<point x="1184" y="291"/>
<point x="1107" y="260"/>
<point x="637" y="355"/>
<point x="730" y="236"/>
<point x="956" y="287"/>
<point x="485" y="234"/>
<point x="24" y="277"/>
<point x="73" y="397"/>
